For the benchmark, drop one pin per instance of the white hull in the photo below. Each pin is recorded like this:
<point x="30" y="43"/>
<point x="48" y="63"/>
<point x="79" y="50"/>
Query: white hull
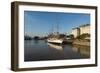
<point x="59" y="41"/>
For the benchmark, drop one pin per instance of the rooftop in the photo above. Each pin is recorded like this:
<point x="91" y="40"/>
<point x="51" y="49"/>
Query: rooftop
<point x="81" y="26"/>
<point x="84" y="25"/>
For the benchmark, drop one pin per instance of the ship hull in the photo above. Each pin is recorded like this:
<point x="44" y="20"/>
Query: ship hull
<point x="55" y="41"/>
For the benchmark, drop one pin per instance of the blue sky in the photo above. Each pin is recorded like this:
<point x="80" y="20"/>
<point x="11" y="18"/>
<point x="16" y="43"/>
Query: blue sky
<point x="41" y="23"/>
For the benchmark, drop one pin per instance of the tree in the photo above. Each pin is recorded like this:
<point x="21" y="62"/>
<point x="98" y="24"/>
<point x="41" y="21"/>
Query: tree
<point x="27" y="38"/>
<point x="83" y="36"/>
<point x="71" y="36"/>
<point x="36" y="38"/>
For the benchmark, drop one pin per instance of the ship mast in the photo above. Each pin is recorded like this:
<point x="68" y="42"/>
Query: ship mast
<point x="57" y="26"/>
<point x="52" y="29"/>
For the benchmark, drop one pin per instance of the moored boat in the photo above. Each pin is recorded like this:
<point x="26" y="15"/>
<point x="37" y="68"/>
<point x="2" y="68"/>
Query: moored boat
<point x="52" y="40"/>
<point x="55" y="36"/>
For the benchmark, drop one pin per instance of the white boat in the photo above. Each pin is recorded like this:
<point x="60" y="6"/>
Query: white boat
<point x="52" y="40"/>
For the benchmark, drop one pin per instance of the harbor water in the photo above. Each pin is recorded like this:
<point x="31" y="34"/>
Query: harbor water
<point x="40" y="50"/>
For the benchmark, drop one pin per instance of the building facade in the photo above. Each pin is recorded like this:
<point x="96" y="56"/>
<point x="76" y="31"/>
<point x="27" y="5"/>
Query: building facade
<point x="85" y="29"/>
<point x="76" y="32"/>
<point x="81" y="30"/>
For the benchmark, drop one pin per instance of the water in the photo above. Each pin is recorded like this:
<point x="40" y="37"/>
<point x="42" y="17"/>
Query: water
<point x="39" y="50"/>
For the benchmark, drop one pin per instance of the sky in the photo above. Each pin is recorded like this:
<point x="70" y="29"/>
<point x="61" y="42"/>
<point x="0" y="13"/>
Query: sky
<point x="42" y="23"/>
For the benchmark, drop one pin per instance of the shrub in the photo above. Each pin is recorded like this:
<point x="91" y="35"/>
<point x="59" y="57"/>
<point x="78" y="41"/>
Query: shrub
<point x="83" y="36"/>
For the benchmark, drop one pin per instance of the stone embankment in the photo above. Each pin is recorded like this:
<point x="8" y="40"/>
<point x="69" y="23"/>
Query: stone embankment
<point x="81" y="42"/>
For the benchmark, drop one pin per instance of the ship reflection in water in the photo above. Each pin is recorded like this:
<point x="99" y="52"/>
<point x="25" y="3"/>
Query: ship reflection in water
<point x="39" y="50"/>
<point x="56" y="46"/>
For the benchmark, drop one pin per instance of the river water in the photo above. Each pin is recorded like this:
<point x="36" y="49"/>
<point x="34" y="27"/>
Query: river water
<point x="40" y="50"/>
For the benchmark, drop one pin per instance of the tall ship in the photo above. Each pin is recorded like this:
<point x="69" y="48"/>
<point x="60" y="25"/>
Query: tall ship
<point x="55" y="37"/>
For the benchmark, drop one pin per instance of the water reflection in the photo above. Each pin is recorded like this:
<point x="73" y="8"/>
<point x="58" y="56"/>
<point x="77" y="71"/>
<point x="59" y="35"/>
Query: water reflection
<point x="56" y="46"/>
<point x="38" y="50"/>
<point x="83" y="50"/>
<point x="36" y="41"/>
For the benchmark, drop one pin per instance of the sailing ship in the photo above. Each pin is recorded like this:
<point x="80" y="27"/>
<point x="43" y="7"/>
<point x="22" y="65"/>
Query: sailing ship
<point x="52" y="40"/>
<point x="55" y="37"/>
